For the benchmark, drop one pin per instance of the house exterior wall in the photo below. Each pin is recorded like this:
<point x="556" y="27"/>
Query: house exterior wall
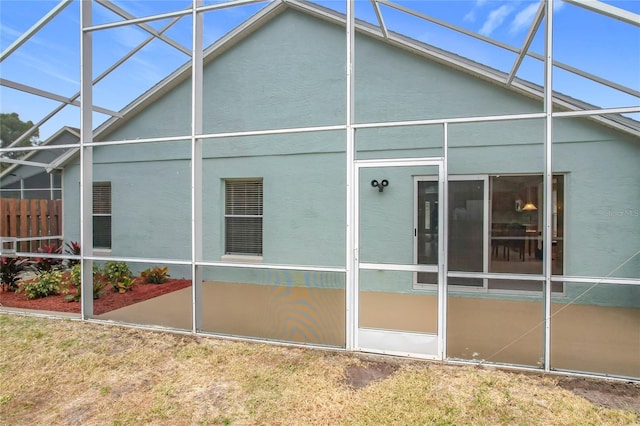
<point x="151" y="200"/>
<point x="273" y="80"/>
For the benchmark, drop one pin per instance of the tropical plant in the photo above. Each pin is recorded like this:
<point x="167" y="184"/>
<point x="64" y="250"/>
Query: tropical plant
<point x="75" y="276"/>
<point x="116" y="270"/>
<point x="155" y="275"/>
<point x="73" y="248"/>
<point x="46" y="264"/>
<point x="11" y="269"/>
<point x="119" y="276"/>
<point x="123" y="285"/>
<point x="47" y="283"/>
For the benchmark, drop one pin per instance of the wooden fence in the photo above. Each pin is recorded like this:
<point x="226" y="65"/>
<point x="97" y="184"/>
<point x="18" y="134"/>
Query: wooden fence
<point x="33" y="220"/>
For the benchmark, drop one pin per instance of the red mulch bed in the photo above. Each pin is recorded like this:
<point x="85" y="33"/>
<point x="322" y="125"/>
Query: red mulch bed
<point x="109" y="301"/>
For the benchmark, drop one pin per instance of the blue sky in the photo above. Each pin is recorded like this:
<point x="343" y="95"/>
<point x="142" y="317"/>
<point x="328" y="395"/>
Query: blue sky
<point x="50" y="60"/>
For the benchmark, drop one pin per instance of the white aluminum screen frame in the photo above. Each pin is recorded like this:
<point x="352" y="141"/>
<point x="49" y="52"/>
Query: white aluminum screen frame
<point x="197" y="10"/>
<point x="419" y="345"/>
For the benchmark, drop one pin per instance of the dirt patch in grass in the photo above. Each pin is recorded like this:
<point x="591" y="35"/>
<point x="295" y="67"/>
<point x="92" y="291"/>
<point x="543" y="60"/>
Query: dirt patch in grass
<point x="604" y="393"/>
<point x="109" y="301"/>
<point x="359" y="376"/>
<point x="614" y="394"/>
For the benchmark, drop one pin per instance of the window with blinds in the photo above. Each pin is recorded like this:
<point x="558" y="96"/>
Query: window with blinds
<point x="243" y="217"/>
<point x="102" y="215"/>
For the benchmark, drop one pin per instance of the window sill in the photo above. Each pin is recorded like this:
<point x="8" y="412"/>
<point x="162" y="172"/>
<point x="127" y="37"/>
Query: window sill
<point x="101" y="252"/>
<point x="239" y="258"/>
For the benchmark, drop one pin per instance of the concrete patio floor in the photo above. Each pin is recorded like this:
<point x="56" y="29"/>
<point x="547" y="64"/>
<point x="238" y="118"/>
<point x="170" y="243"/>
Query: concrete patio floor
<point x="584" y="338"/>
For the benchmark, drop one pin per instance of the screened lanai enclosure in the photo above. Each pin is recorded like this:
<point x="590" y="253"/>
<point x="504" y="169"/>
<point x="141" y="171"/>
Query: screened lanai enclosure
<point x="369" y="176"/>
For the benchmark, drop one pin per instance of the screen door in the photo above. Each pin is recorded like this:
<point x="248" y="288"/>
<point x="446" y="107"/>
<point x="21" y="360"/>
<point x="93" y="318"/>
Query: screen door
<point x="400" y="234"/>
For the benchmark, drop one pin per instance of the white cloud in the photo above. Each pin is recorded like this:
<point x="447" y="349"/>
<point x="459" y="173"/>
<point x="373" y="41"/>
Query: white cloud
<point x="37" y="39"/>
<point x="147" y="71"/>
<point x="470" y="17"/>
<point x="495" y="19"/>
<point x="129" y="36"/>
<point x="47" y="66"/>
<point x="8" y="32"/>
<point x="523" y="19"/>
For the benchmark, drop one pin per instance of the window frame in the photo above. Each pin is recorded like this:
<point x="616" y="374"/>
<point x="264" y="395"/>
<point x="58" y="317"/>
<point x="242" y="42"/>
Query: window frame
<point x="94" y="215"/>
<point x="240" y="256"/>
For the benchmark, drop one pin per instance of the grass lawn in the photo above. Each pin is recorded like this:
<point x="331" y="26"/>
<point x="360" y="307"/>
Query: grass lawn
<point x="70" y="372"/>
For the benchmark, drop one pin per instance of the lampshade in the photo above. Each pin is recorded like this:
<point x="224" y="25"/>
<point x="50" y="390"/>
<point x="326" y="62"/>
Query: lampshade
<point x="529" y="207"/>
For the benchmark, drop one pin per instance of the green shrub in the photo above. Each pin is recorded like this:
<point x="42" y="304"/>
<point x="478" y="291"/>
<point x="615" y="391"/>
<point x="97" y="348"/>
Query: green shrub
<point x="155" y="275"/>
<point x="115" y="271"/>
<point x="99" y="282"/>
<point x="119" y="276"/>
<point x="47" y="283"/>
<point x="76" y="275"/>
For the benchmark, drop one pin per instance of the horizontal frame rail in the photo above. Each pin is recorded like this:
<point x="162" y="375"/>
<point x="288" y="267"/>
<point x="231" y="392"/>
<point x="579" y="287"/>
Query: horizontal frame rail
<point x="398" y="267"/>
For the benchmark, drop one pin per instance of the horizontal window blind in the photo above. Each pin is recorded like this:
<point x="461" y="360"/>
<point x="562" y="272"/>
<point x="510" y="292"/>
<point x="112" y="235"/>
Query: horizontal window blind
<point x="102" y="215"/>
<point x="102" y="198"/>
<point x="243" y="198"/>
<point x="244" y="235"/>
<point x="243" y="217"/>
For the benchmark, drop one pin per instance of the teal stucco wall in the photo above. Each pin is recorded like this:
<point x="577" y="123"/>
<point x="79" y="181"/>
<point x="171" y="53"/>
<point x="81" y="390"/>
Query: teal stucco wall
<point x="273" y="80"/>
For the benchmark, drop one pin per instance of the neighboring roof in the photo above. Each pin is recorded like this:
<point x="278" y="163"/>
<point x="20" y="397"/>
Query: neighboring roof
<point x="272" y="10"/>
<point x="62" y="160"/>
<point x="52" y="140"/>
